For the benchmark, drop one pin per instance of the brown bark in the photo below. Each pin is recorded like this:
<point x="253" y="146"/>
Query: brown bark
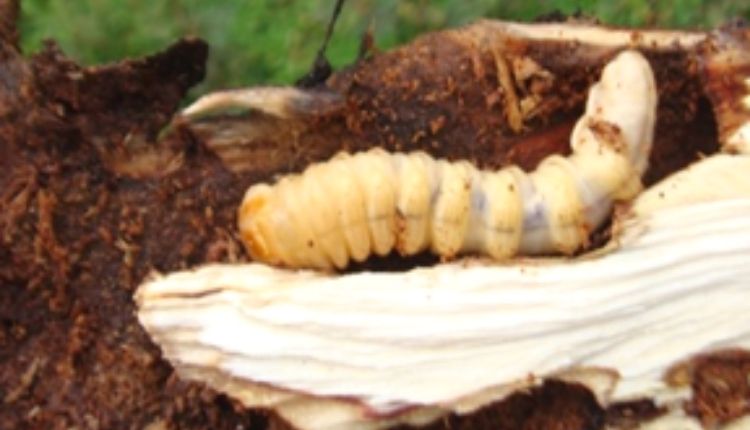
<point x="9" y="12"/>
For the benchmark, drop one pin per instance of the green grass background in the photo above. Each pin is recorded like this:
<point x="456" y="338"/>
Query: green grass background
<point x="274" y="41"/>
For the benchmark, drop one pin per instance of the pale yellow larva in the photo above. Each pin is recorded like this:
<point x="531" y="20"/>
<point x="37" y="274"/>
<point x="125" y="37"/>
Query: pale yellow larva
<point x="376" y="202"/>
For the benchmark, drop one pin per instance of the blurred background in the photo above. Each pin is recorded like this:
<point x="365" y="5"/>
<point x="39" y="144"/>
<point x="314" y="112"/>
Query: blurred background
<point x="275" y="41"/>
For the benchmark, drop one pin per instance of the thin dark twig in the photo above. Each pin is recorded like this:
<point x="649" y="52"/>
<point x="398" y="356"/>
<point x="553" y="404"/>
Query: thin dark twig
<point x="321" y="68"/>
<point x="329" y="31"/>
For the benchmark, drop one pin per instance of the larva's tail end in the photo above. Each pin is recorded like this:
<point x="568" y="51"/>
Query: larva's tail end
<point x="255" y="231"/>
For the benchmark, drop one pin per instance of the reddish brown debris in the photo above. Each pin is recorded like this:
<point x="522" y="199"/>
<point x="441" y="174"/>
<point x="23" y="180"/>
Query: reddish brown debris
<point x="9" y="10"/>
<point x="725" y="69"/>
<point x="553" y="406"/>
<point x="721" y="386"/>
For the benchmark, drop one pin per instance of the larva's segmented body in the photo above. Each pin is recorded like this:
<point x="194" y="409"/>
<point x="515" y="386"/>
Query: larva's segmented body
<point x="377" y="202"/>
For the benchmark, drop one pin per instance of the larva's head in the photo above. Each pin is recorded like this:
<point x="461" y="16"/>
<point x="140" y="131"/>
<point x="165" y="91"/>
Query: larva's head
<point x="254" y="219"/>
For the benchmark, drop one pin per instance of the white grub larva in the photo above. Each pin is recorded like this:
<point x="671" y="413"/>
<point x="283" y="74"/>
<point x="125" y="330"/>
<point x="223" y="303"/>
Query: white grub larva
<point x="376" y="202"/>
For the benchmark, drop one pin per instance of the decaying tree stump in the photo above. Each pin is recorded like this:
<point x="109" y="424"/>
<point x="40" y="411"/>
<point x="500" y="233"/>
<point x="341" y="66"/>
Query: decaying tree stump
<point x="95" y="194"/>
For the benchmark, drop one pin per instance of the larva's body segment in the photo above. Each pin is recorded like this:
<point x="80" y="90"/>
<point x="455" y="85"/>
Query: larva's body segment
<point x="414" y="190"/>
<point x="325" y="218"/>
<point x="502" y="214"/>
<point x="351" y="208"/>
<point x="556" y="181"/>
<point x="302" y="233"/>
<point x="378" y="187"/>
<point x="291" y="241"/>
<point x="449" y="221"/>
<point x="376" y="202"/>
